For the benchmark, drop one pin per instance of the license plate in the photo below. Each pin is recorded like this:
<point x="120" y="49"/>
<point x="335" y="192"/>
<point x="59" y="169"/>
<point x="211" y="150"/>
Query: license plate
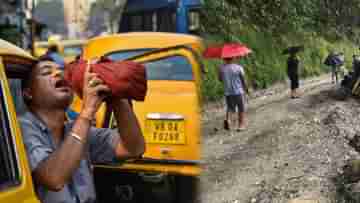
<point x="165" y="132"/>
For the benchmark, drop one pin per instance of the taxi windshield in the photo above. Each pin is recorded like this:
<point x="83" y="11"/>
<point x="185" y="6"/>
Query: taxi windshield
<point x="123" y="55"/>
<point x="72" y="50"/>
<point x="174" y="67"/>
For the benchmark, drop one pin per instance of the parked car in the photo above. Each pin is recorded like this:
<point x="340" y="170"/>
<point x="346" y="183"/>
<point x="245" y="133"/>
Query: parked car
<point x="169" y="116"/>
<point x="170" y="119"/>
<point x="15" y="176"/>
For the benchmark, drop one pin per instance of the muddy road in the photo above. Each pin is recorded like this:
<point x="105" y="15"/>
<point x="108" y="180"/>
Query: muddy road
<point x="293" y="150"/>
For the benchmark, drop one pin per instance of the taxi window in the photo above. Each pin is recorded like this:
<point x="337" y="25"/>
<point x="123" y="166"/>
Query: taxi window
<point x="169" y="68"/>
<point x="72" y="50"/>
<point x="16" y="92"/>
<point x="122" y="55"/>
<point x="9" y="172"/>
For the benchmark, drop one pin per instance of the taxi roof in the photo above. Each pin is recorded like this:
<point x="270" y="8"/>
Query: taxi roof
<point x="72" y="42"/>
<point x="100" y="46"/>
<point x="61" y="42"/>
<point x="6" y="48"/>
<point x="17" y="61"/>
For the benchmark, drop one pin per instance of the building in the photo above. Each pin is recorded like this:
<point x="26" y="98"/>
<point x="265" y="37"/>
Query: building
<point x="68" y="18"/>
<point x="76" y="14"/>
<point x="13" y="21"/>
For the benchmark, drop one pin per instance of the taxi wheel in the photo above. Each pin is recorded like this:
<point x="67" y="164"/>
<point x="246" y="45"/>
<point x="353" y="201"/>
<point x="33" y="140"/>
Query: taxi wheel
<point x="130" y="187"/>
<point x="187" y="189"/>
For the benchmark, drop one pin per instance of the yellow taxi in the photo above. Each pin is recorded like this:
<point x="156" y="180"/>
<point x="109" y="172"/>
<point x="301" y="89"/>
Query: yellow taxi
<point x="69" y="49"/>
<point x="170" y="114"/>
<point x="15" y="176"/>
<point x="170" y="120"/>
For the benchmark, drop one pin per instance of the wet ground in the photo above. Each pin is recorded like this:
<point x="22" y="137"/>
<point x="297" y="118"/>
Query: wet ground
<point x="292" y="149"/>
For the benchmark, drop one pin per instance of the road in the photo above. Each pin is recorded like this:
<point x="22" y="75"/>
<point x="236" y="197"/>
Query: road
<point x="294" y="150"/>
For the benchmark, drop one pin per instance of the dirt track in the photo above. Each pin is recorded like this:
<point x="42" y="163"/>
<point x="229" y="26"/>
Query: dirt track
<point x="292" y="149"/>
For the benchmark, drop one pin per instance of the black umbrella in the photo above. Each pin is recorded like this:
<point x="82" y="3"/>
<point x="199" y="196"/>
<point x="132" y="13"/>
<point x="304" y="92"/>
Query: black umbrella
<point x="293" y="49"/>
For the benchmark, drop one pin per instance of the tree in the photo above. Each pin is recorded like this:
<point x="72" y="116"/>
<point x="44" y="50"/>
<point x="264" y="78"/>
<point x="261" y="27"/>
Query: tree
<point x="329" y="17"/>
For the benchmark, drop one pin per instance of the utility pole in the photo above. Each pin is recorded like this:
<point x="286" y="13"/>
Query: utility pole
<point x="22" y="22"/>
<point x="113" y="13"/>
<point x="32" y="27"/>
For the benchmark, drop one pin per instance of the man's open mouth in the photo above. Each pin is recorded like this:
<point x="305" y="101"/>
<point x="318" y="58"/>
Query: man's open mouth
<point x="62" y="85"/>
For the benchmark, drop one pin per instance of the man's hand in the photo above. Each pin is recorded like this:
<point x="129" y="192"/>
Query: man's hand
<point x="132" y="144"/>
<point x="93" y="93"/>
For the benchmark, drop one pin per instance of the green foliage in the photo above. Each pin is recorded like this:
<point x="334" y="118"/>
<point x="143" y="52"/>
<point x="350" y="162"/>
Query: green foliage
<point x="211" y="87"/>
<point x="282" y="16"/>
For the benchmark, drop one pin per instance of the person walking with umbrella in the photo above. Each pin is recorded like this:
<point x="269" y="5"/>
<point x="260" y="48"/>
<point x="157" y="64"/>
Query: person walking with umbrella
<point x="335" y="61"/>
<point x="232" y="76"/>
<point x="293" y="70"/>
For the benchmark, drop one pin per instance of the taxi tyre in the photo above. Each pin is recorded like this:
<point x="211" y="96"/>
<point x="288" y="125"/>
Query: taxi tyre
<point x="187" y="189"/>
<point x="130" y="187"/>
<point x="110" y="186"/>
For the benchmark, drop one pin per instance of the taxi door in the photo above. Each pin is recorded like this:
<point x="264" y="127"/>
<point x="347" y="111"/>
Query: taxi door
<point x="170" y="115"/>
<point x="15" y="177"/>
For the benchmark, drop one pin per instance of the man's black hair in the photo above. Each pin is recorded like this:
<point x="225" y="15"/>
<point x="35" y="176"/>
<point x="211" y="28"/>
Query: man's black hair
<point x="228" y="60"/>
<point x="53" y="48"/>
<point x="25" y="83"/>
<point x="27" y="79"/>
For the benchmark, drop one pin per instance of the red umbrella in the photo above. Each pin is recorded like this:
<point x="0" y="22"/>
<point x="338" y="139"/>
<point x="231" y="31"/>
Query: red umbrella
<point x="126" y="79"/>
<point x="229" y="50"/>
<point x="213" y="52"/>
